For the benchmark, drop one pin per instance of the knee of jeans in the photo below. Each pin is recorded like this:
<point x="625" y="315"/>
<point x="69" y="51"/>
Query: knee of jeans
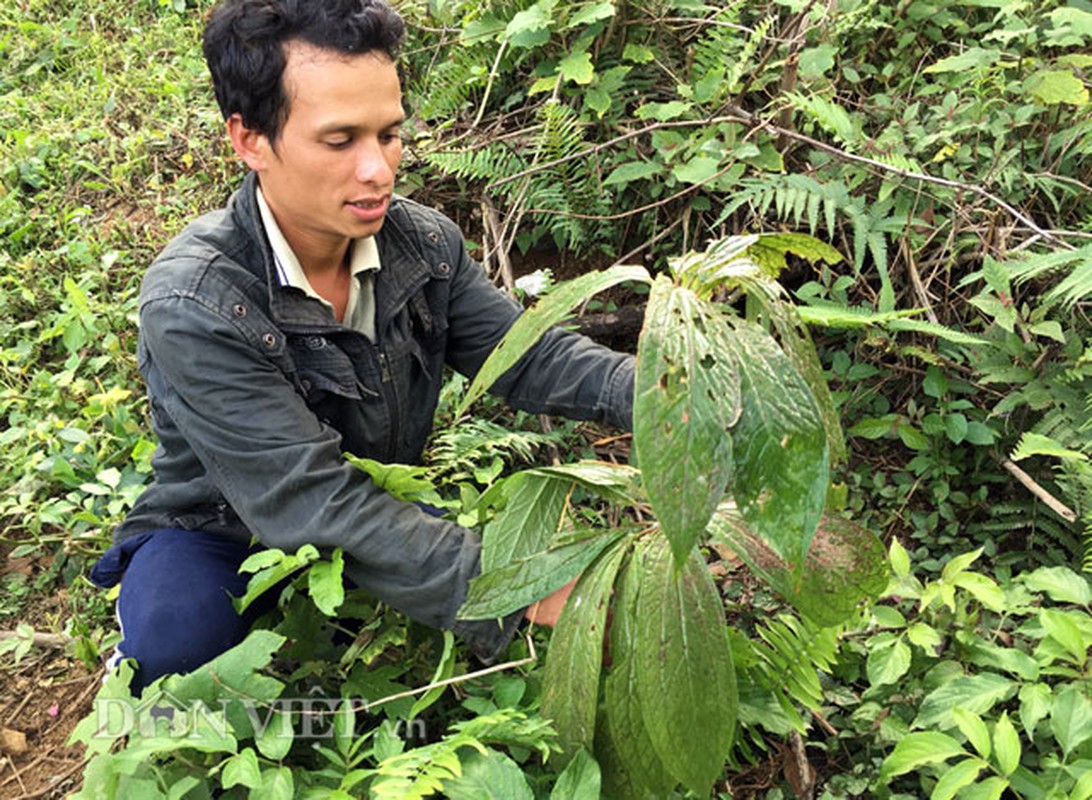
<point x="178" y="635"/>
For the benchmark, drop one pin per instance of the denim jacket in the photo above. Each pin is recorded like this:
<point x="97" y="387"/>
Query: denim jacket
<point x="256" y="391"/>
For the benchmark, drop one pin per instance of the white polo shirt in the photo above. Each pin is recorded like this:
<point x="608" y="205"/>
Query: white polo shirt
<point x="363" y="264"/>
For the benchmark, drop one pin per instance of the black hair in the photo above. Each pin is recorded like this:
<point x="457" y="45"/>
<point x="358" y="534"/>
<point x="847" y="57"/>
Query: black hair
<point x="245" y="40"/>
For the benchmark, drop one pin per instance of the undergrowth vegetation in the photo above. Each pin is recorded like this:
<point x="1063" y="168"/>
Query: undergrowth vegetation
<point x="940" y="148"/>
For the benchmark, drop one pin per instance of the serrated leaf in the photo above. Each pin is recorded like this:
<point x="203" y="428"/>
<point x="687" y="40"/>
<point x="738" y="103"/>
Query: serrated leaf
<point x="551" y="309"/>
<point x="918" y="749"/>
<point x="522" y="582"/>
<point x="780" y="455"/>
<point x="325" y="583"/>
<point x="796" y="342"/>
<point x="570" y="693"/>
<point x="618" y="483"/>
<point x="234" y="673"/>
<point x="845" y="565"/>
<point x="630" y="764"/>
<point x="686" y="397"/>
<point x="685" y="680"/>
<point x="529" y="520"/>
<point x="975" y="693"/>
<point x="932" y="328"/>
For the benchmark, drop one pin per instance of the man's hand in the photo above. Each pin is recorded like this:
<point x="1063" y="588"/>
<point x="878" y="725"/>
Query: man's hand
<point x="548" y="609"/>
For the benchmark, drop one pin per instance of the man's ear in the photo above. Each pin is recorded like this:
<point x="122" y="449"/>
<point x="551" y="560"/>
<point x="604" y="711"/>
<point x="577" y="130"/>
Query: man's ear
<point x="250" y="145"/>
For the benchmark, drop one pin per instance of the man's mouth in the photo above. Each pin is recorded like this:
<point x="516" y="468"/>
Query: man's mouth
<point x="368" y="203"/>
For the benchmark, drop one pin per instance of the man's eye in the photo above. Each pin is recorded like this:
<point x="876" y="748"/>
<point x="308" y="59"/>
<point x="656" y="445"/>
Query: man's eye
<point x="339" y="144"/>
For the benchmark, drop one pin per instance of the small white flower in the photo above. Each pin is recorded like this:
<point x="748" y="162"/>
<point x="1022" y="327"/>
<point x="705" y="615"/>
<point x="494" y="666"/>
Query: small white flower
<point x="536" y="283"/>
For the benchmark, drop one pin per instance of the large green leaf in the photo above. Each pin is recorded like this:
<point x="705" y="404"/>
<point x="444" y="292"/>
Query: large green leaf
<point x="797" y="344"/>
<point x="551" y="309"/>
<point x="629" y="762"/>
<point x="232" y="675"/>
<point x="489" y="775"/>
<point x="780" y="450"/>
<point x="687" y="397"/>
<point x="570" y="694"/>
<point x="845" y="565"/>
<point x="1071" y="718"/>
<point x="580" y="781"/>
<point x="975" y="693"/>
<point x="618" y="483"/>
<point x="685" y="680"/>
<point x="523" y="581"/>
<point x="528" y="522"/>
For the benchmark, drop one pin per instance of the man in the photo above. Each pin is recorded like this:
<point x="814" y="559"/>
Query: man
<point x="311" y="316"/>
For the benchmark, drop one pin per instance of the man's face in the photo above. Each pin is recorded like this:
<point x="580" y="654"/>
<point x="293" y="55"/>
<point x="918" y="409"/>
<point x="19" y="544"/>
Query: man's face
<point x="330" y="176"/>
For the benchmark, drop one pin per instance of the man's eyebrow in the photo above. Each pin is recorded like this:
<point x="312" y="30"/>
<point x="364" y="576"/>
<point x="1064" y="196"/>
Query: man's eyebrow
<point x="337" y="127"/>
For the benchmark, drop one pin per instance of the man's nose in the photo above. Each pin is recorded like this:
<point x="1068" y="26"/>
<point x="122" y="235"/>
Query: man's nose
<point x="372" y="165"/>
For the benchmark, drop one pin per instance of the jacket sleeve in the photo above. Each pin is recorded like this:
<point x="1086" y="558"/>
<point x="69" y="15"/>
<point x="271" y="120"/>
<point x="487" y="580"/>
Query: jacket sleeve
<point x="213" y="374"/>
<point x="564" y="373"/>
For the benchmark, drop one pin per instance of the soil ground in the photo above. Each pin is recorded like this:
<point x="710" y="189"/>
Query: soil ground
<point x="43" y="697"/>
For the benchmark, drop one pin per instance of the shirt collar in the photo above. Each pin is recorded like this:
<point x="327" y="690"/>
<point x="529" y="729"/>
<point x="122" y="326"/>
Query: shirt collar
<point x="363" y="257"/>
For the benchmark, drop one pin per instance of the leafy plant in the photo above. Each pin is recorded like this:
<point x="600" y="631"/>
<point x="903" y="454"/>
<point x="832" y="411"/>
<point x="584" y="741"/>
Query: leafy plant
<point x="719" y="406"/>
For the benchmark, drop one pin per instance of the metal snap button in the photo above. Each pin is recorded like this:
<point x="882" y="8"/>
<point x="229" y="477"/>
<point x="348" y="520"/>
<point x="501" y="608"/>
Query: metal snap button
<point x="238" y="310"/>
<point x="269" y="340"/>
<point x="443" y="267"/>
<point x="433" y="236"/>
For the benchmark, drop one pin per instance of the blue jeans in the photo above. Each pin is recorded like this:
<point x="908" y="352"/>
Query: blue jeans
<point x="175" y="604"/>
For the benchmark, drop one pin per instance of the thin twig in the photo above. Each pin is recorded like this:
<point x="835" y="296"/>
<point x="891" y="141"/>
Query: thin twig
<point x="367" y="706"/>
<point x="1055" y="505"/>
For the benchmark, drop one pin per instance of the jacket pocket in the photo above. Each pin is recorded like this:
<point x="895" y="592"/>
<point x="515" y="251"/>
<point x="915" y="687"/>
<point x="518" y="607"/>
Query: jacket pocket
<point x="323" y="369"/>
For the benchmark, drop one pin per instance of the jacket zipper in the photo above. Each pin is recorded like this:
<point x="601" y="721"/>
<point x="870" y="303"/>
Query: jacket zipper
<point x="392" y="403"/>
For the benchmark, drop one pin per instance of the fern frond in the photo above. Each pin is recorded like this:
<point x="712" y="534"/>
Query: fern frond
<point x="1074" y="287"/>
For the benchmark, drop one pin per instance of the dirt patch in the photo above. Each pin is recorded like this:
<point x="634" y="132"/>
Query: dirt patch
<point x="43" y="697"/>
